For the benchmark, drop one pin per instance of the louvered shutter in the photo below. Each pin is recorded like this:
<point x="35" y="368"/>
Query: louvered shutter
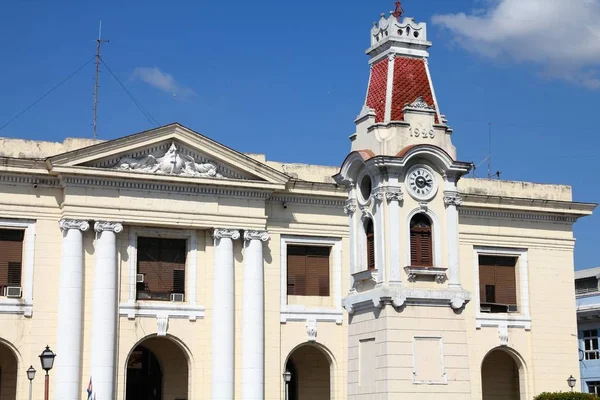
<point x="296" y="270"/>
<point x="11" y="254"/>
<point x="317" y="271"/>
<point x="500" y="272"/>
<point x="370" y="245"/>
<point x="308" y="270"/>
<point x="421" y="245"/>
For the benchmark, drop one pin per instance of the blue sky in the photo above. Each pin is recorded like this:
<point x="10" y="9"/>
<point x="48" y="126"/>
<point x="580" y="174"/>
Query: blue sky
<point x="288" y="78"/>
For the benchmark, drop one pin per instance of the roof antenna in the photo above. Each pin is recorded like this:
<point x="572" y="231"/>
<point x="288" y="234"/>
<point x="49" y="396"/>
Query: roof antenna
<point x="99" y="43"/>
<point x="398" y="11"/>
<point x="490" y="152"/>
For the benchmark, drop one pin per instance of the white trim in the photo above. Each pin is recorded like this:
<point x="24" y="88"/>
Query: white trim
<point x="145" y="309"/>
<point x="300" y="312"/>
<point x="435" y="102"/>
<point x="444" y="377"/>
<point x="22" y="306"/>
<point x="389" y="88"/>
<point x="522" y="319"/>
<point x="188" y="308"/>
<point x="437" y="235"/>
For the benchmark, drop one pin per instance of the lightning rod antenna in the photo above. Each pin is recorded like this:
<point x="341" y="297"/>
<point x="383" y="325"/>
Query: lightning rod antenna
<point x="99" y="43"/>
<point x="490" y="151"/>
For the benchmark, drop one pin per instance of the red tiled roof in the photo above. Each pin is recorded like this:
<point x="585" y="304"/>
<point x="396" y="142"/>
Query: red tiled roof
<point x="378" y="89"/>
<point x="410" y="82"/>
<point x="366" y="154"/>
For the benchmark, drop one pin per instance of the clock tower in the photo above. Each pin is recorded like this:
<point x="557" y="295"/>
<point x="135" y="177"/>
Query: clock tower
<point x="407" y="332"/>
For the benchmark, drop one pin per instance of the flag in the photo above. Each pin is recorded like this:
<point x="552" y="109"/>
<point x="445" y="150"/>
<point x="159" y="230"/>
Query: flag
<point x="90" y="390"/>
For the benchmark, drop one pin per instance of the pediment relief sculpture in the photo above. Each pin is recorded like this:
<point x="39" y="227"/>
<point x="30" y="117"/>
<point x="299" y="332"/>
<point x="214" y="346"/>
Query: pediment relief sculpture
<point x="173" y="162"/>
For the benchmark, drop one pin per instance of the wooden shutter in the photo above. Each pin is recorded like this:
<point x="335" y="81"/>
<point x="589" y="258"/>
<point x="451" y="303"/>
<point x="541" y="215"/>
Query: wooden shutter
<point x="162" y="262"/>
<point x="370" y="245"/>
<point x="500" y="272"/>
<point x="11" y="254"/>
<point x="308" y="270"/>
<point x="421" y="245"/>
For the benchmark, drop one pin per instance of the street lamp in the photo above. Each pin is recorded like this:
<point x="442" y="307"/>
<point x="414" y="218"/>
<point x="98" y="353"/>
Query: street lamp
<point x="47" y="360"/>
<point x="287" y="377"/>
<point x="571" y="381"/>
<point x="30" y="376"/>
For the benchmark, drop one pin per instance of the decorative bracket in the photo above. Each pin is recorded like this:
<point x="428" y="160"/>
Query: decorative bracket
<point x="413" y="273"/>
<point x="162" y="325"/>
<point x="311" y="330"/>
<point x="503" y="334"/>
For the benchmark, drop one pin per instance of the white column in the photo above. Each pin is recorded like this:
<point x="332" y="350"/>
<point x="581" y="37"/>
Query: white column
<point x="104" y="309"/>
<point x="380" y="235"/>
<point x="70" y="312"/>
<point x="350" y="210"/>
<point x="394" y="196"/>
<point x="452" y="200"/>
<point x="253" y="316"/>
<point x="223" y="315"/>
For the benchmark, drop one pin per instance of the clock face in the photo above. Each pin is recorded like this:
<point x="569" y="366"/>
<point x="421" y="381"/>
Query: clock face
<point x="421" y="183"/>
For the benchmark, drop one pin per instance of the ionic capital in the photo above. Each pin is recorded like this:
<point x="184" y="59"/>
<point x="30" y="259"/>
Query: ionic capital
<point x="263" y="236"/>
<point x="223" y="233"/>
<point x="66" y="224"/>
<point x="102" y="226"/>
<point x="350" y="207"/>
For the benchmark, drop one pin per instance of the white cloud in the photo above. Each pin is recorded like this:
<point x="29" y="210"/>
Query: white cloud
<point x="561" y="36"/>
<point x="161" y="80"/>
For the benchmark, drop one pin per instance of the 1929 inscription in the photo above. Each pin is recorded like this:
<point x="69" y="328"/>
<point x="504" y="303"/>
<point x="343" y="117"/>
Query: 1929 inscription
<point x="422" y="132"/>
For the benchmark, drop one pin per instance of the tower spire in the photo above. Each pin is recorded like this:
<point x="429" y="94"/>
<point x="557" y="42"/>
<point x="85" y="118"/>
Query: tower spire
<point x="398" y="11"/>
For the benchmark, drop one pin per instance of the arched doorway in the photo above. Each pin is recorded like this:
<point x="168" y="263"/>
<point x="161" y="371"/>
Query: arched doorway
<point x="8" y="373"/>
<point x="157" y="369"/>
<point x="502" y="376"/>
<point x="311" y="374"/>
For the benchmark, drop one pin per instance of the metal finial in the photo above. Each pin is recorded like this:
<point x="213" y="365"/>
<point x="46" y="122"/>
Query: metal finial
<point x="398" y="11"/>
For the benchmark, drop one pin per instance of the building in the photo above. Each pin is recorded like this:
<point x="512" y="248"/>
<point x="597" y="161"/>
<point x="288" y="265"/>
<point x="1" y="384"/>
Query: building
<point x="164" y="265"/>
<point x="588" y="322"/>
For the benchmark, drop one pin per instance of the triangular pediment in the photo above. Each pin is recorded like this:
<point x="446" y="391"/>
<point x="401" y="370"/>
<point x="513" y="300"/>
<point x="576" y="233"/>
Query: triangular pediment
<point x="171" y="150"/>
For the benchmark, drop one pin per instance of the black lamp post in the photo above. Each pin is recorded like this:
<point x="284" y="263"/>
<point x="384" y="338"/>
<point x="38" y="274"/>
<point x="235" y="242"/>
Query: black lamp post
<point x="30" y="376"/>
<point x="47" y="360"/>
<point x="287" y="377"/>
<point x="571" y="381"/>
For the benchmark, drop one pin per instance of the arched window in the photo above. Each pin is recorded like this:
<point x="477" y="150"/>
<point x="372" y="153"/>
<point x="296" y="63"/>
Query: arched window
<point x="421" y="248"/>
<point x="370" y="244"/>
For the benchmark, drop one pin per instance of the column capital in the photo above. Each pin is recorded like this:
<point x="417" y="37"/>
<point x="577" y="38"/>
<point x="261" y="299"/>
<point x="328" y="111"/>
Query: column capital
<point x="101" y="226"/>
<point x="256" y="235"/>
<point x="350" y="206"/>
<point x="452" y="199"/>
<point x="220" y="233"/>
<point x="66" y="224"/>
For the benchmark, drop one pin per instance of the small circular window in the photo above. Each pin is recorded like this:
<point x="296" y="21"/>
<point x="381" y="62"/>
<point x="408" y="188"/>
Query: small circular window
<point x="365" y="187"/>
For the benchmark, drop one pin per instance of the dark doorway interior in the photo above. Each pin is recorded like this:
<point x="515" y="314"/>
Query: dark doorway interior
<point x="144" y="377"/>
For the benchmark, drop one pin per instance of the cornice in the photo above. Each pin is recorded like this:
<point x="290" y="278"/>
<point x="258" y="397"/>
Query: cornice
<point x="178" y="187"/>
<point x="312" y="200"/>
<point x="518" y="215"/>
<point x="519" y="203"/>
<point x="24" y="179"/>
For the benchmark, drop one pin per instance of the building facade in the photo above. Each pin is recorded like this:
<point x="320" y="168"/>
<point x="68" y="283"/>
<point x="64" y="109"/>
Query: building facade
<point x="164" y="265"/>
<point x="587" y="294"/>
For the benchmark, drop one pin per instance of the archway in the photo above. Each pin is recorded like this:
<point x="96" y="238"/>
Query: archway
<point x="502" y="376"/>
<point x="157" y="369"/>
<point x="311" y="374"/>
<point x="8" y="373"/>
